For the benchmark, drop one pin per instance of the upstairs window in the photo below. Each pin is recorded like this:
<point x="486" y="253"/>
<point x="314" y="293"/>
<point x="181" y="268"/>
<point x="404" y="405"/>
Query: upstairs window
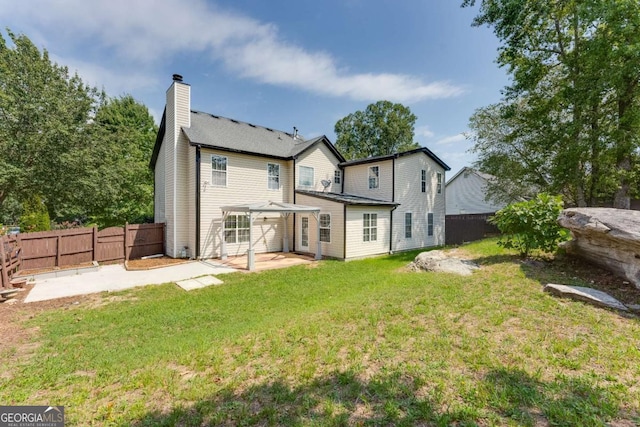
<point x="429" y="224"/>
<point x="218" y="171"/>
<point x="325" y="228"/>
<point x="305" y="177"/>
<point x="374" y="177"/>
<point x="407" y="225"/>
<point x="337" y="177"/>
<point x="369" y="227"/>
<point x="424" y="181"/>
<point x="439" y="177"/>
<point x="273" y="176"/>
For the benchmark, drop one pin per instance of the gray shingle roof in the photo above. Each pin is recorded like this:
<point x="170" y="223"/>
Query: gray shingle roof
<point x="424" y="150"/>
<point x="213" y="131"/>
<point x="347" y="199"/>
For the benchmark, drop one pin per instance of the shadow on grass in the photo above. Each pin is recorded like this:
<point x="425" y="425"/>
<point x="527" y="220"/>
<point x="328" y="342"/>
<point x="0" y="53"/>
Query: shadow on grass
<point x="344" y="399"/>
<point x="564" y="402"/>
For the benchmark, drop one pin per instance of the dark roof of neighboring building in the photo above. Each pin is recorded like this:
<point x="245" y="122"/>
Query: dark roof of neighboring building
<point x="347" y="199"/>
<point x="424" y="150"/>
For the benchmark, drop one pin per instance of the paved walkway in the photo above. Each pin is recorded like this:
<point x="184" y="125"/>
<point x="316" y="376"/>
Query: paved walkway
<point x="117" y="278"/>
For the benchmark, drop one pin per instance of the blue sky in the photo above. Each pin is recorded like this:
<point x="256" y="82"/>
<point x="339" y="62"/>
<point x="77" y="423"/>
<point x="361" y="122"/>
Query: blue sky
<point x="281" y="63"/>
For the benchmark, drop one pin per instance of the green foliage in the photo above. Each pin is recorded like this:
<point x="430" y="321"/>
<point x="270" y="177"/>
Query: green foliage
<point x="570" y="121"/>
<point x="86" y="154"/>
<point x="34" y="216"/>
<point x="531" y="224"/>
<point x="383" y="128"/>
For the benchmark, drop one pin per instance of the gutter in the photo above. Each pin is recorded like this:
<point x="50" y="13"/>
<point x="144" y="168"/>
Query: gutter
<point x="393" y="199"/>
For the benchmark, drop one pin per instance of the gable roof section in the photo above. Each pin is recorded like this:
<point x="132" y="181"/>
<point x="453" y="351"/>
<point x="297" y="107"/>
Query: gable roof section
<point x="466" y="170"/>
<point x="424" y="150"/>
<point x="208" y="130"/>
<point x="347" y="199"/>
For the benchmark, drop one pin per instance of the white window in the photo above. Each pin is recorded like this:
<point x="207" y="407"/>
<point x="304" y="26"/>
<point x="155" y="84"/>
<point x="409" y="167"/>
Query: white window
<point x="305" y="176"/>
<point x="337" y="177"/>
<point x="424" y="181"/>
<point x="273" y="176"/>
<point x="369" y="227"/>
<point x="407" y="225"/>
<point x="236" y="229"/>
<point x="429" y="224"/>
<point x="218" y="171"/>
<point x="374" y="175"/>
<point x="325" y="228"/>
<point x="439" y="176"/>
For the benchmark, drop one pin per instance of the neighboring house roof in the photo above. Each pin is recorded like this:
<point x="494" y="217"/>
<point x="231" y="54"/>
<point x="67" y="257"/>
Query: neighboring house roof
<point x="424" y="150"/>
<point x="221" y="133"/>
<point x="347" y="199"/>
<point x="467" y="170"/>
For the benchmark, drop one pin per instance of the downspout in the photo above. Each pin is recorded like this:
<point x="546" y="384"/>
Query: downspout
<point x="393" y="199"/>
<point x="344" y="232"/>
<point x="198" y="202"/>
<point x="295" y="215"/>
<point x="175" y="173"/>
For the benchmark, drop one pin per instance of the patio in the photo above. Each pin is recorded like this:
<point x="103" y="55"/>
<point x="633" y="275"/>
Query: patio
<point x="267" y="261"/>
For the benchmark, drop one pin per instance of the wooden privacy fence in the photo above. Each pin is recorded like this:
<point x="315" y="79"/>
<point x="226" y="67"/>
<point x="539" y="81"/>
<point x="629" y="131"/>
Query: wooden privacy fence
<point x="9" y="259"/>
<point x="467" y="228"/>
<point x="59" y="248"/>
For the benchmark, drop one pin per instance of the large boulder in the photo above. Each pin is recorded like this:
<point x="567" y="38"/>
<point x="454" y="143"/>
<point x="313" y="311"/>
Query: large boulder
<point x="440" y="261"/>
<point x="606" y="237"/>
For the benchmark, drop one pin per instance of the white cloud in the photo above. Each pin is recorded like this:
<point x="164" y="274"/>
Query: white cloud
<point x="424" y="131"/>
<point x="147" y="33"/>
<point x="452" y="139"/>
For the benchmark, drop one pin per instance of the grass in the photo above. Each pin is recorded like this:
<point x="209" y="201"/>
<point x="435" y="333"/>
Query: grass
<point x="357" y="343"/>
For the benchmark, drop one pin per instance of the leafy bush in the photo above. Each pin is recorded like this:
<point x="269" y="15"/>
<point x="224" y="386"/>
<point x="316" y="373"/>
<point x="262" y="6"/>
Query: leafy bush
<point x="35" y="216"/>
<point x="531" y="225"/>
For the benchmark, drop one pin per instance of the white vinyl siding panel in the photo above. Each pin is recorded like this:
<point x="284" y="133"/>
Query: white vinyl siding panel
<point x="466" y="194"/>
<point x="335" y="248"/>
<point x="411" y="198"/>
<point x="191" y="197"/>
<point x="247" y="182"/>
<point x="355" y="246"/>
<point x="356" y="180"/>
<point x="324" y="164"/>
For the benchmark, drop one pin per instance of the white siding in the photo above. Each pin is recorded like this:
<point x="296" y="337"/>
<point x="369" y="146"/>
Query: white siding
<point x="355" y="246"/>
<point x="356" y="180"/>
<point x="466" y="195"/>
<point x="246" y="183"/>
<point x="324" y="164"/>
<point x="191" y="197"/>
<point x="335" y="248"/>
<point x="408" y="193"/>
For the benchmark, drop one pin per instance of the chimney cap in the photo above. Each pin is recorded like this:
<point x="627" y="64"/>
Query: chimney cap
<point x="177" y="78"/>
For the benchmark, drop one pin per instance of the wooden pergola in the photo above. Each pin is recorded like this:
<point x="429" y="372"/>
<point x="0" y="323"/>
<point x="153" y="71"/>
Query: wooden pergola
<point x="253" y="210"/>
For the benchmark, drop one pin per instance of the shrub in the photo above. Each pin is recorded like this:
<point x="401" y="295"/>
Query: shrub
<point x="531" y="225"/>
<point x="35" y="216"/>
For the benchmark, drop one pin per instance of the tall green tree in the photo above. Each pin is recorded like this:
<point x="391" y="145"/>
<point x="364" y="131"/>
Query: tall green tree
<point x="116" y="176"/>
<point x="44" y="112"/>
<point x="383" y="128"/>
<point x="575" y="72"/>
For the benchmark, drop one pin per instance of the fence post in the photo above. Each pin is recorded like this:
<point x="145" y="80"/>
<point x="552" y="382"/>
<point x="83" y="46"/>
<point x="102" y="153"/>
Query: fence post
<point x="95" y="243"/>
<point x="126" y="241"/>
<point x="3" y="265"/>
<point x="58" y="249"/>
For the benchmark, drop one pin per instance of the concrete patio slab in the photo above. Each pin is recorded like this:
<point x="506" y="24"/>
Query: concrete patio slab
<point x="198" y="283"/>
<point x="117" y="278"/>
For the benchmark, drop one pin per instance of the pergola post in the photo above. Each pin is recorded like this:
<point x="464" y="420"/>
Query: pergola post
<point x="251" y="262"/>
<point x="316" y="215"/>
<point x="285" y="239"/>
<point x="223" y="241"/>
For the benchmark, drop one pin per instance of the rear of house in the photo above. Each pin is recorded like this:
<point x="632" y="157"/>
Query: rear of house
<point x="226" y="187"/>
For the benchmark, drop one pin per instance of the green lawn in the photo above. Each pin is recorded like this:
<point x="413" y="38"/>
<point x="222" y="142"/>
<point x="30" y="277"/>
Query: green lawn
<point x="356" y="343"/>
